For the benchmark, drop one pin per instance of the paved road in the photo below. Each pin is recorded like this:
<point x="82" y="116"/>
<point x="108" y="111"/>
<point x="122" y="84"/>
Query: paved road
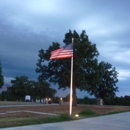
<point x="110" y="122"/>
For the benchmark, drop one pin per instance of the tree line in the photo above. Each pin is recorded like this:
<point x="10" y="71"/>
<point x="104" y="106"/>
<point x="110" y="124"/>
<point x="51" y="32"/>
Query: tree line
<point x="22" y="86"/>
<point x="125" y="101"/>
<point x="122" y="100"/>
<point x="90" y="75"/>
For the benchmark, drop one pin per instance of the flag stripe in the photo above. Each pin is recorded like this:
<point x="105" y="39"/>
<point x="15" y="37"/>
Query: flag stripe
<point x="64" y="52"/>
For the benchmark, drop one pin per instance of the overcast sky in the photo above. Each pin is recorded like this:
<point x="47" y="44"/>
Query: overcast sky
<point x="27" y="26"/>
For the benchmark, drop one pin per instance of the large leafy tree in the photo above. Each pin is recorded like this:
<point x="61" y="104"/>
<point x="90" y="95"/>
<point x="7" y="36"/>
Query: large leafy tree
<point x="105" y="81"/>
<point x="58" y="71"/>
<point x="1" y="77"/>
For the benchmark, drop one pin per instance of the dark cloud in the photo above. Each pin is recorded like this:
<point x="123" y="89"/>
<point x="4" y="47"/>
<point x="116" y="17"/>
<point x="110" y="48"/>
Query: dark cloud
<point x="26" y="28"/>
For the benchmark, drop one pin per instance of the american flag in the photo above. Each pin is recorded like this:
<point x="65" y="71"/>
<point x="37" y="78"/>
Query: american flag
<point x="64" y="52"/>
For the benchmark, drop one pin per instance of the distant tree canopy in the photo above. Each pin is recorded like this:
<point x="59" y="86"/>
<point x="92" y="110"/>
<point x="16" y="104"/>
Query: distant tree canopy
<point x="117" y="100"/>
<point x="22" y="86"/>
<point x="107" y="100"/>
<point x="1" y="77"/>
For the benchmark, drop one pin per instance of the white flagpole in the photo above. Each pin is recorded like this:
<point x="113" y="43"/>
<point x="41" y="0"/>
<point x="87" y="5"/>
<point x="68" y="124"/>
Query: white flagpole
<point x="71" y="83"/>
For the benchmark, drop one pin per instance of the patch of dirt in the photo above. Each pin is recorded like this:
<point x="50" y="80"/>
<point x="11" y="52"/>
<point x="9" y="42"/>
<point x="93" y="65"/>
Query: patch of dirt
<point x="22" y="115"/>
<point x="56" y="109"/>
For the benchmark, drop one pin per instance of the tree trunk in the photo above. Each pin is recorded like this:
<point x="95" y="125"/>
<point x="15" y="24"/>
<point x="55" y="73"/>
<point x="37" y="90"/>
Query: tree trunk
<point x="74" y="97"/>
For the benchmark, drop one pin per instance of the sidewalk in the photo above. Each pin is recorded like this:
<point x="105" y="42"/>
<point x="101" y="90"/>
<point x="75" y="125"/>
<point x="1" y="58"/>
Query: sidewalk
<point x="109" y="122"/>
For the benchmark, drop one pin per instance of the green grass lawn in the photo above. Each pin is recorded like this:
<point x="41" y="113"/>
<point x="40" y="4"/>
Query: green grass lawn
<point x="18" y="121"/>
<point x="11" y="121"/>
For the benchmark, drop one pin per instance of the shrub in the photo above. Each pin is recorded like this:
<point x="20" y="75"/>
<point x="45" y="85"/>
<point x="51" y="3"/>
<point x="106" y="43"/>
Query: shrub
<point x="87" y="113"/>
<point x="64" y="117"/>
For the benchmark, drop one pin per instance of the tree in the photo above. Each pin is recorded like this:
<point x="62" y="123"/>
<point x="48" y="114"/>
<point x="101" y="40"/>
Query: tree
<point x="58" y="71"/>
<point x="22" y="86"/>
<point x="42" y="90"/>
<point x="19" y="87"/>
<point x="1" y="77"/>
<point x="105" y="81"/>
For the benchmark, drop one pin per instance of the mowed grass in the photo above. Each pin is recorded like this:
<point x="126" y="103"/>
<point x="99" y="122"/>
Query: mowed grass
<point x="23" y="118"/>
<point x="18" y="121"/>
<point x="14" y="121"/>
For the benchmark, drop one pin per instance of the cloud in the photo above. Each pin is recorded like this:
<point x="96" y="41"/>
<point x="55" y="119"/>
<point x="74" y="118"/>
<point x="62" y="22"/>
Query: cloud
<point x="7" y="80"/>
<point x="26" y="26"/>
<point x="113" y="50"/>
<point x="101" y="26"/>
<point x="123" y="56"/>
<point x="124" y="74"/>
<point x="37" y="15"/>
<point x="123" y="90"/>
